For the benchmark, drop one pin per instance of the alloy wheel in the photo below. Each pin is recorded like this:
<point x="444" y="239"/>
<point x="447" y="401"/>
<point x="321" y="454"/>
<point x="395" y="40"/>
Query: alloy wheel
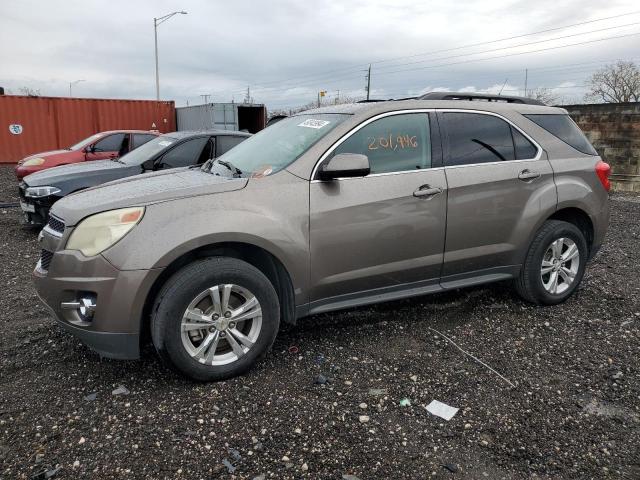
<point x="560" y="265"/>
<point x="221" y="324"/>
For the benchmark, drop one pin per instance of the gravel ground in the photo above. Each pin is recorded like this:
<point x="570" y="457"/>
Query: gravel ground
<point x="574" y="411"/>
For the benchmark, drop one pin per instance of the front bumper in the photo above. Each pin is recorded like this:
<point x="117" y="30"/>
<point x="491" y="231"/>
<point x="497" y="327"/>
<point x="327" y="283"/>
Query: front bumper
<point x="22" y="171"/>
<point x="114" y="331"/>
<point x="35" y="210"/>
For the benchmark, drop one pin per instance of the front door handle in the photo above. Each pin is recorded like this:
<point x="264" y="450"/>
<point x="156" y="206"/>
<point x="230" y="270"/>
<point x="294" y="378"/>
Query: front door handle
<point x="527" y="174"/>
<point x="427" y="191"/>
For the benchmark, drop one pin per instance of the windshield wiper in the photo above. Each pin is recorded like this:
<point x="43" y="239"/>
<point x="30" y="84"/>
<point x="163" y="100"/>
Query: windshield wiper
<point x="230" y="166"/>
<point x="118" y="160"/>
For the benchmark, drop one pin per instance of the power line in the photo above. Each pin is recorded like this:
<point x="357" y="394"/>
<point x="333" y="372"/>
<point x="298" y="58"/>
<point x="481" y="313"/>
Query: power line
<point x="517" y="46"/>
<point x="351" y="75"/>
<point x="360" y="66"/>
<point x="510" y="54"/>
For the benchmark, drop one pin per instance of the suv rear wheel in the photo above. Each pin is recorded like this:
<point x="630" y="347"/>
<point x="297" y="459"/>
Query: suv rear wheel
<point x="215" y="318"/>
<point x="554" y="265"/>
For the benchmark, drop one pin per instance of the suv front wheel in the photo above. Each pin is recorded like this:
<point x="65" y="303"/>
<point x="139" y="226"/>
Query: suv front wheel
<point x="215" y="318"/>
<point x="554" y="265"/>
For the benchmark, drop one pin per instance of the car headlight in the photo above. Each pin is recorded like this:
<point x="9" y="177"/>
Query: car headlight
<point x="39" y="192"/>
<point x="98" y="232"/>
<point x="32" y="162"/>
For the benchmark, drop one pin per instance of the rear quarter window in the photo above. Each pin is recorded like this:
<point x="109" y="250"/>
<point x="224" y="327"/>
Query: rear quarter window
<point x="561" y="126"/>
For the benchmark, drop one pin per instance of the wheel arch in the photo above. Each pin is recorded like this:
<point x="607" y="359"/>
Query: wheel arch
<point x="580" y="219"/>
<point x="255" y="255"/>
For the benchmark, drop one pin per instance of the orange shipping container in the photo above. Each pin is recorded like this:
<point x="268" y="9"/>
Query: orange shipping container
<point x="31" y="125"/>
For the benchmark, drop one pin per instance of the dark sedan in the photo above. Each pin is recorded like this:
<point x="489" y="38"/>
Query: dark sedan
<point x="39" y="191"/>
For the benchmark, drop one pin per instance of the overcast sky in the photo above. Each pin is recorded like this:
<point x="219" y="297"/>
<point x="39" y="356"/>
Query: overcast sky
<point x="288" y="50"/>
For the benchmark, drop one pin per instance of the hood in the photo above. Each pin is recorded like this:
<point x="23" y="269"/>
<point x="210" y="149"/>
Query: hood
<point x="56" y="175"/>
<point x="142" y="190"/>
<point x="52" y="154"/>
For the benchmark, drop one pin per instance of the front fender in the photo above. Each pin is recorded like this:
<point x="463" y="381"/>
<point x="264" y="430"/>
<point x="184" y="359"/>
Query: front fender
<point x="270" y="216"/>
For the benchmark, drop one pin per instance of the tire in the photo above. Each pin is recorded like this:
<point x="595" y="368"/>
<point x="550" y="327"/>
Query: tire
<point x="219" y="359"/>
<point x="534" y="286"/>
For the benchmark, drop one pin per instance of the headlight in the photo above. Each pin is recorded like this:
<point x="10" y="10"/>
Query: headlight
<point x="100" y="231"/>
<point x="32" y="162"/>
<point x="38" y="192"/>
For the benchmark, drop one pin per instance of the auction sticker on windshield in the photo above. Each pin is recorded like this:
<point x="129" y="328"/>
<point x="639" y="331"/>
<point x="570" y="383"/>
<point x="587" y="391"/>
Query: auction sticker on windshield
<point x="313" y="123"/>
<point x="164" y="143"/>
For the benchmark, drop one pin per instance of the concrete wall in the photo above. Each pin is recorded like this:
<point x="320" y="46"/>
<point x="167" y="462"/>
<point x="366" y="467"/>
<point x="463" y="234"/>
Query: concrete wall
<point x="614" y="130"/>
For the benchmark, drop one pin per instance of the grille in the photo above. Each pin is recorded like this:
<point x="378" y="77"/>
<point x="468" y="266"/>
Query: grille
<point x="45" y="259"/>
<point x="56" y="224"/>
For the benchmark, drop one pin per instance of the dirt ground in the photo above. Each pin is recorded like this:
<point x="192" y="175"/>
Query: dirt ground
<point x="574" y="411"/>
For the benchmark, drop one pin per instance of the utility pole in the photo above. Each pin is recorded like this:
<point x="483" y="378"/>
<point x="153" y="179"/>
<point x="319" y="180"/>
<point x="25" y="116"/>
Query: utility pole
<point x="526" y="78"/>
<point x="205" y="98"/>
<point x="247" y="98"/>
<point x="156" y="22"/>
<point x="71" y="84"/>
<point x="368" y="82"/>
<point x="337" y="100"/>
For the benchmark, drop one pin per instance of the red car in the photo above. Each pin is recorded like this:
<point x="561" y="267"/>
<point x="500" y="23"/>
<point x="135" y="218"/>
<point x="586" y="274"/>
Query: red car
<point x="101" y="146"/>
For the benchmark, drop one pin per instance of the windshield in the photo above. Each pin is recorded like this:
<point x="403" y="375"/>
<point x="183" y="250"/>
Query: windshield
<point x="148" y="150"/>
<point x="279" y="145"/>
<point x="81" y="144"/>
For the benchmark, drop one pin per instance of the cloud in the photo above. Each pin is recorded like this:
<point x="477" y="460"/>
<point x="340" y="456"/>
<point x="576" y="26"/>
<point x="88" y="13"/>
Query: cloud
<point x="287" y="50"/>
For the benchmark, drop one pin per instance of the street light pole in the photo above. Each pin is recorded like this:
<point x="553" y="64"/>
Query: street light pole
<point x="71" y="84"/>
<point x="156" y="22"/>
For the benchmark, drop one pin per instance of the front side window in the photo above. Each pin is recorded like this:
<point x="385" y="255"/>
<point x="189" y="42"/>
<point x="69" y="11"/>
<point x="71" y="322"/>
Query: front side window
<point x="186" y="154"/>
<point x="395" y="143"/>
<point x="111" y="143"/>
<point x="562" y="127"/>
<point x="477" y="138"/>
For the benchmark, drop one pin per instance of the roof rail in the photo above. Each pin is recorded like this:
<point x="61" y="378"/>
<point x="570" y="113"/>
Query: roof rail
<point x="485" y="97"/>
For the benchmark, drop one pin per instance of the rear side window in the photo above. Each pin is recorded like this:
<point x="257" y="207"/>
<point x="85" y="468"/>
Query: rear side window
<point x="395" y="143"/>
<point x="477" y="138"/>
<point x="562" y="127"/>
<point x="224" y="143"/>
<point x="141" y="139"/>
<point x="524" y="148"/>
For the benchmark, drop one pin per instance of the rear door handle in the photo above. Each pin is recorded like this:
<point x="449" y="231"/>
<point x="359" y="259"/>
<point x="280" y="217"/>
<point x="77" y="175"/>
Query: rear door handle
<point x="527" y="174"/>
<point x="427" y="191"/>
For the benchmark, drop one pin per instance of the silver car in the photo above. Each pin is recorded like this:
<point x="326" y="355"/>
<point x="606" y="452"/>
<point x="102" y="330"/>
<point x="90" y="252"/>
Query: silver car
<point x="328" y="209"/>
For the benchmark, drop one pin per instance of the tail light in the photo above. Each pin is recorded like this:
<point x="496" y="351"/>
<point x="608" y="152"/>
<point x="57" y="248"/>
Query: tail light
<point x="603" y="170"/>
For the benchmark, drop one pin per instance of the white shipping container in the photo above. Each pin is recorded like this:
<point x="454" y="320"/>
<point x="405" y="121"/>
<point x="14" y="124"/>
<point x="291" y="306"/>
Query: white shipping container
<point x="222" y="116"/>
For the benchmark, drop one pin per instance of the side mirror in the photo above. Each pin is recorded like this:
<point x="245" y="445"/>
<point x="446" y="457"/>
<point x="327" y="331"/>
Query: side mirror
<point x="149" y="165"/>
<point x="89" y="149"/>
<point x="345" y="165"/>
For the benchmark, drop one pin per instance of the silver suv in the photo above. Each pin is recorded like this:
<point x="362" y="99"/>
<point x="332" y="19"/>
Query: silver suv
<point x="325" y="210"/>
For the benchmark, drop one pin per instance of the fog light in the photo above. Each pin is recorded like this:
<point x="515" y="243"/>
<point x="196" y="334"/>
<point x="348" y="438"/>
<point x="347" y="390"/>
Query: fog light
<point x="85" y="307"/>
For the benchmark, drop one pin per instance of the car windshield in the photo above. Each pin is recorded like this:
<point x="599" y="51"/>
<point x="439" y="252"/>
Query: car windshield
<point x="148" y="150"/>
<point x="81" y="144"/>
<point x="277" y="146"/>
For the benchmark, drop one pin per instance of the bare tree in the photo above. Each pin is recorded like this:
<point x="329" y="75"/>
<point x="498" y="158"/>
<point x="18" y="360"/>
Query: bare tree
<point x="545" y="95"/>
<point x="28" y="91"/>
<point x="615" y="84"/>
